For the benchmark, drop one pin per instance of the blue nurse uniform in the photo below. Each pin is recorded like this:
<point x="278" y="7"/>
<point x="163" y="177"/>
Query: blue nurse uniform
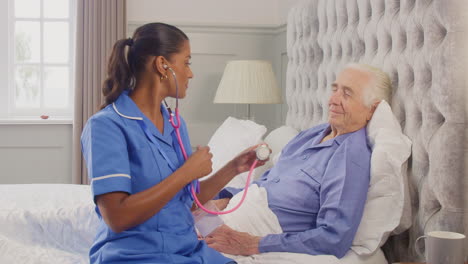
<point x="121" y="158"/>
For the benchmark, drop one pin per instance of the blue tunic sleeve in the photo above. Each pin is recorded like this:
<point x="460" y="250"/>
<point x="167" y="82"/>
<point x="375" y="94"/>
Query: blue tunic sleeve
<point x="342" y="198"/>
<point x="105" y="150"/>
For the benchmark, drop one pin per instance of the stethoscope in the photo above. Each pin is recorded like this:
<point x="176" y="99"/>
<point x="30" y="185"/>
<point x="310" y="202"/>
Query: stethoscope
<point x="262" y="153"/>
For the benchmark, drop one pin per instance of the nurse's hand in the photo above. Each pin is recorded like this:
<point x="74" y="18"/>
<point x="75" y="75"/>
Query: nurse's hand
<point x="244" y="160"/>
<point x="227" y="240"/>
<point x="199" y="163"/>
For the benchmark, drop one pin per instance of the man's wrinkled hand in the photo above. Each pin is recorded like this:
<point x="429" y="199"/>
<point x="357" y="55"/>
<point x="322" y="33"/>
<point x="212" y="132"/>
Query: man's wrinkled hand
<point x="227" y="240"/>
<point x="221" y="203"/>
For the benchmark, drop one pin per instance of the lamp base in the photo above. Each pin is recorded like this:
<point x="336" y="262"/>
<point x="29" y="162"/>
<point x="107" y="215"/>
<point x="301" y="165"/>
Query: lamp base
<point x="249" y="115"/>
<point x="251" y="118"/>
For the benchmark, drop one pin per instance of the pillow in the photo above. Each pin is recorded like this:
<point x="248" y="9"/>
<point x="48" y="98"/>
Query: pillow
<point x="279" y="137"/>
<point x="387" y="207"/>
<point x="230" y="139"/>
<point x="276" y="140"/>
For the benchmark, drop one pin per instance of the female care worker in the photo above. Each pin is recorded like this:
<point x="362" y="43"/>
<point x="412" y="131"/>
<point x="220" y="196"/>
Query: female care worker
<point x="139" y="179"/>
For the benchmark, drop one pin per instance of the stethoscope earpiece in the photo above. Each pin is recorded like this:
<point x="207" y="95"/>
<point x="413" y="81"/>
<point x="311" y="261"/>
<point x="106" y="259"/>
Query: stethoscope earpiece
<point x="165" y="66"/>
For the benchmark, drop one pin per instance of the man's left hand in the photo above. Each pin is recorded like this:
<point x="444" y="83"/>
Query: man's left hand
<point x="227" y="240"/>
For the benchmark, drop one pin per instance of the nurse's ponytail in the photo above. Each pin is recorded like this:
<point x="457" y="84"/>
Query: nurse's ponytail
<point x="119" y="75"/>
<point x="129" y="56"/>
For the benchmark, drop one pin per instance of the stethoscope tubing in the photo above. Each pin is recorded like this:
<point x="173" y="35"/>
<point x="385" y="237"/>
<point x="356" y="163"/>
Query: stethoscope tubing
<point x="234" y="208"/>
<point x="196" y="189"/>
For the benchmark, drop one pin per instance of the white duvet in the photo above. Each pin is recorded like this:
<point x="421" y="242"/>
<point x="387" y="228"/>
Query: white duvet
<point x="56" y="223"/>
<point x="46" y="223"/>
<point x="256" y="218"/>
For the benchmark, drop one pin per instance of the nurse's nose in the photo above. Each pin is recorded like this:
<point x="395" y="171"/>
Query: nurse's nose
<point x="190" y="73"/>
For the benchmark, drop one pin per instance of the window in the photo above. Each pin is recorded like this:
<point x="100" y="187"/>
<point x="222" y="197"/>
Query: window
<point x="40" y="59"/>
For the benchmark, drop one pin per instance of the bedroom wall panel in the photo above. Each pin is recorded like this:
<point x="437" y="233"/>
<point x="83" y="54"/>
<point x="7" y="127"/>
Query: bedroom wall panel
<point x="242" y="12"/>
<point x="37" y="153"/>
<point x="31" y="153"/>
<point x="212" y="47"/>
<point x="259" y="12"/>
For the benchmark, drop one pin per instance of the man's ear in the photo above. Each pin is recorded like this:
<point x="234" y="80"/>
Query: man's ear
<point x="372" y="110"/>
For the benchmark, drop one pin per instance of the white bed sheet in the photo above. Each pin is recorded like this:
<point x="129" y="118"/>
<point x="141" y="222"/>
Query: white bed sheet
<point x="56" y="223"/>
<point x="292" y="258"/>
<point x="46" y="223"/>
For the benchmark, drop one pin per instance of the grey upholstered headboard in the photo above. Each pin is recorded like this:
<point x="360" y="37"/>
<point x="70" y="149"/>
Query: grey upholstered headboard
<point x="421" y="45"/>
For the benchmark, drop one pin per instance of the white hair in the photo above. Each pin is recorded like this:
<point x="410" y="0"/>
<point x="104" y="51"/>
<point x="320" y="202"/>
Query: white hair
<point x="379" y="88"/>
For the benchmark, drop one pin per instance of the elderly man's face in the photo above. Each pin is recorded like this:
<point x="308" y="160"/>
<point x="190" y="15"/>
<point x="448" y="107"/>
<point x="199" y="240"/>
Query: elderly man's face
<point x="347" y="112"/>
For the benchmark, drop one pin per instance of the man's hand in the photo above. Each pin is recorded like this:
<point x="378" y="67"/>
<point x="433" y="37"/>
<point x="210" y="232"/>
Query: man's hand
<point x="226" y="240"/>
<point x="221" y="203"/>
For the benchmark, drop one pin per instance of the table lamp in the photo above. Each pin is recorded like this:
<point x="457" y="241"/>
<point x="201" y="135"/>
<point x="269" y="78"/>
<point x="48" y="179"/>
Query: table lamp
<point x="248" y="82"/>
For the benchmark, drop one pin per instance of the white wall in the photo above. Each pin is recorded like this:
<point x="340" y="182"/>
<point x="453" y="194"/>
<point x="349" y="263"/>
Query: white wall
<point x="219" y="31"/>
<point x="35" y="153"/>
<point x="211" y="48"/>
<point x="240" y="12"/>
<point x="283" y="9"/>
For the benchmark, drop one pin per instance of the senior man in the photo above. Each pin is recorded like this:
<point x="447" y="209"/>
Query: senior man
<point x="318" y="187"/>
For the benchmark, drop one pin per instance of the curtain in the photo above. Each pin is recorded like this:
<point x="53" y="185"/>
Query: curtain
<point x="100" y="23"/>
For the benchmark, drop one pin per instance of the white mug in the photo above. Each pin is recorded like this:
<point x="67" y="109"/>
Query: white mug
<point x="443" y="247"/>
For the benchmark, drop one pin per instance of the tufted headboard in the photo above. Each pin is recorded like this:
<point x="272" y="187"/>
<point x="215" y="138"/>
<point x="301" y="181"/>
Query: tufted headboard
<point x="422" y="45"/>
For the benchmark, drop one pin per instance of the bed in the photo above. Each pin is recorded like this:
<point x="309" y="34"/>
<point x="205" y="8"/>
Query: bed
<point x="420" y="44"/>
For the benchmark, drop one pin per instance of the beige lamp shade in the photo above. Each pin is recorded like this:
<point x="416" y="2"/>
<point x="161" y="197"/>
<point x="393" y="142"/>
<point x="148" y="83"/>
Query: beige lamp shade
<point x="248" y="82"/>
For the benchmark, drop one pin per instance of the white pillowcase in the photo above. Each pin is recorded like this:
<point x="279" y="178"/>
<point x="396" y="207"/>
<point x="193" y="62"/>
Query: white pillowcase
<point x="387" y="207"/>
<point x="279" y="137"/>
<point x="230" y="139"/>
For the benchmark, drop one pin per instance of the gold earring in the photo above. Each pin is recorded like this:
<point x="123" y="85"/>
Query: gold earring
<point x="163" y="77"/>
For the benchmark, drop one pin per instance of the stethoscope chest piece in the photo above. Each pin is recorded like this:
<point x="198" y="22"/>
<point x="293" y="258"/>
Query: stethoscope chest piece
<point x="263" y="152"/>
